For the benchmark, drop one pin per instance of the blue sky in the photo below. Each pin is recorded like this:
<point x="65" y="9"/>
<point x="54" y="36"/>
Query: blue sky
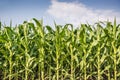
<point x="62" y="11"/>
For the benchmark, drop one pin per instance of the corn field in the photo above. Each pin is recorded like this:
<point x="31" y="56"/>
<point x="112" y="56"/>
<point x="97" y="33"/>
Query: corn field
<point x="31" y="51"/>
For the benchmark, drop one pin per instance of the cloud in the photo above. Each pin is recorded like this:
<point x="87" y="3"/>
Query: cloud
<point x="76" y="13"/>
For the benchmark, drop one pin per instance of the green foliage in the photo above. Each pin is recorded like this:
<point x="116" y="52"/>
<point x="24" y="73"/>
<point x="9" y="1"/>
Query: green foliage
<point x="32" y="51"/>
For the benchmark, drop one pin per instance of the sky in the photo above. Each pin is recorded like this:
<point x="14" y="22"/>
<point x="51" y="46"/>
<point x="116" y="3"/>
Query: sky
<point x="60" y="11"/>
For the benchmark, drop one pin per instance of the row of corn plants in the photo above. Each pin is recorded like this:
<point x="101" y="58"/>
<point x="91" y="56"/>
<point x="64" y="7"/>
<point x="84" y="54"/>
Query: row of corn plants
<point x="31" y="51"/>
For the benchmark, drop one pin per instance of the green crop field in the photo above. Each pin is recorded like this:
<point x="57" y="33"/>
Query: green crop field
<point x="31" y="51"/>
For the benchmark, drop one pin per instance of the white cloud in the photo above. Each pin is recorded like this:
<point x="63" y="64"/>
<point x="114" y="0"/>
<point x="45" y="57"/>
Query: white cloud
<point x="76" y="13"/>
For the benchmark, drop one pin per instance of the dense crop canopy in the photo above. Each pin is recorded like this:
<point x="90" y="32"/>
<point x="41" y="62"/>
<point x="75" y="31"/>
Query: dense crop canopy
<point x="32" y="51"/>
